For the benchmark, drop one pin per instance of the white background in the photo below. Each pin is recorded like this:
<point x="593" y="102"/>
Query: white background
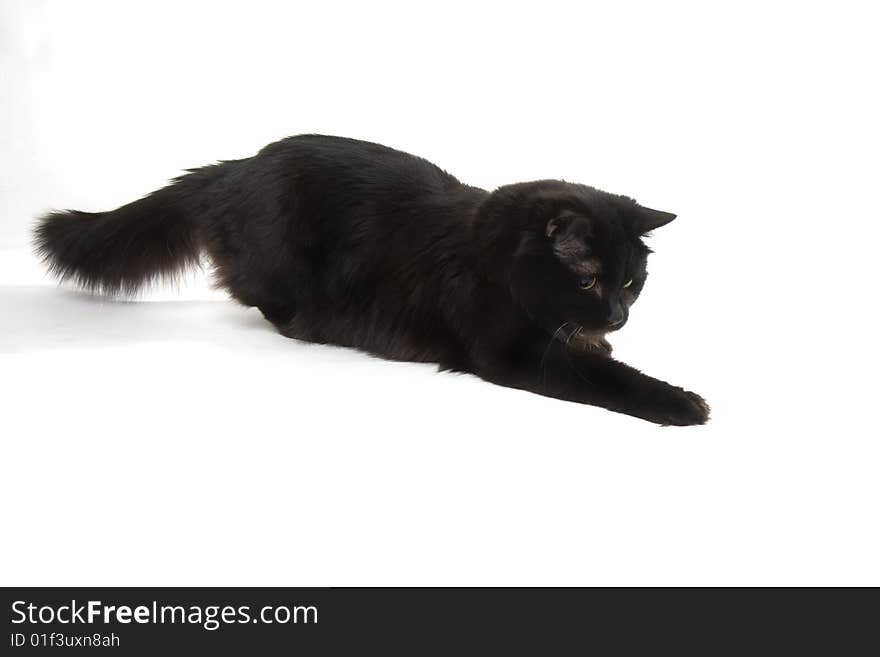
<point x="178" y="440"/>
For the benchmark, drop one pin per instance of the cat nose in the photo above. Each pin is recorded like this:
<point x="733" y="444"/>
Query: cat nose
<point x="617" y="317"/>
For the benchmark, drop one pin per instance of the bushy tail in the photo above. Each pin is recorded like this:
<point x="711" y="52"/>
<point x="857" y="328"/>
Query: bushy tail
<point x="120" y="251"/>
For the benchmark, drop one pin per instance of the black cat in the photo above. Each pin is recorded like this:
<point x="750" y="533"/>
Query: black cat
<point x="352" y="243"/>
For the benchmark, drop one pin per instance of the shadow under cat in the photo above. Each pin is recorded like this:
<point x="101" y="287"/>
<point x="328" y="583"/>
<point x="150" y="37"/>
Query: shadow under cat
<point x="41" y="318"/>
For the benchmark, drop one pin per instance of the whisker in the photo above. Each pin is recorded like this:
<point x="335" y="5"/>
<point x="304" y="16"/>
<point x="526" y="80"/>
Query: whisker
<point x="547" y="351"/>
<point x="579" y="331"/>
<point x="568" y="357"/>
<point x="572" y="335"/>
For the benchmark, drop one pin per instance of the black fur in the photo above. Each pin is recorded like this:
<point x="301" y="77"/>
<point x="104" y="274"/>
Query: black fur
<point x="352" y="243"/>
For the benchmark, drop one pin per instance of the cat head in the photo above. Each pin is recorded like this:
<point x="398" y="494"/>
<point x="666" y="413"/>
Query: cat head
<point x="575" y="258"/>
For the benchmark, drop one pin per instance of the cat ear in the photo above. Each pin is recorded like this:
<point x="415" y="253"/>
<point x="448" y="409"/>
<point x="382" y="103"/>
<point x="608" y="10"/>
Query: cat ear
<point x="647" y="219"/>
<point x="556" y="223"/>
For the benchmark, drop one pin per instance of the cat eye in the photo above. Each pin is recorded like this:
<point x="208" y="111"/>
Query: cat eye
<point x="587" y="283"/>
<point x="628" y="283"/>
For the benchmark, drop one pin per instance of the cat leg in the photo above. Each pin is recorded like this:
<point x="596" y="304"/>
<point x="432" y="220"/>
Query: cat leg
<point x="589" y="377"/>
<point x="277" y="314"/>
<point x="300" y="327"/>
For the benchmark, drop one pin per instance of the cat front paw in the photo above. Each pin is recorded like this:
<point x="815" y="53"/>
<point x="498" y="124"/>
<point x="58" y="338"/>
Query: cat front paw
<point x="601" y="346"/>
<point x="698" y="410"/>
<point x="596" y="344"/>
<point x="678" y="407"/>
